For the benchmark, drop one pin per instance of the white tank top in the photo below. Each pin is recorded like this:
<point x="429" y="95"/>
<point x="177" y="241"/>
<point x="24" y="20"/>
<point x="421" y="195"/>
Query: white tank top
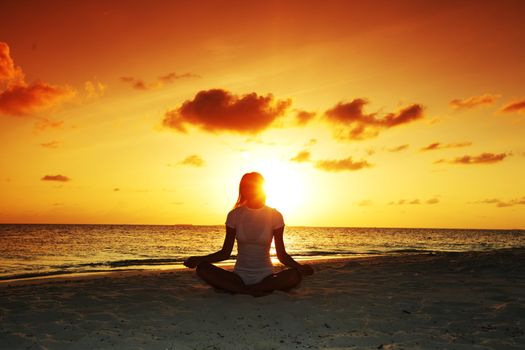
<point x="254" y="234"/>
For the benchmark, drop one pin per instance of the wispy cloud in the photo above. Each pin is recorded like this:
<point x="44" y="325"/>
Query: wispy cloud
<point x="474" y="101"/>
<point x="45" y="123"/>
<point x="301" y="157"/>
<point x="94" y="89"/>
<point x="346" y="164"/>
<point x="140" y="84"/>
<point x="51" y="144"/>
<point x="398" y="148"/>
<point x="193" y="160"/>
<point x="484" y="158"/>
<point x="59" y="178"/>
<point x="503" y="203"/>
<point x="438" y="145"/>
<point x="514" y="107"/>
<point x="415" y="201"/>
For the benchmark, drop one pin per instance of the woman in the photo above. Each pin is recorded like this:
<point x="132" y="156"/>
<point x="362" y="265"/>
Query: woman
<point x="254" y="225"/>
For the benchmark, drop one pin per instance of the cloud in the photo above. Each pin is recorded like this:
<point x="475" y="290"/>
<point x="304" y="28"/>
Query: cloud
<point x="415" y="201"/>
<point x="484" y="158"/>
<point x="301" y="157"/>
<point x="51" y="144"/>
<point x="438" y="145"/>
<point x="304" y="117"/>
<point x="44" y="123"/>
<point x="94" y="89"/>
<point x="116" y="189"/>
<point x="21" y="100"/>
<point x="474" y="101"/>
<point x="398" y="148"/>
<point x="172" y="77"/>
<point x="17" y="97"/>
<point x="353" y="124"/>
<point x="218" y="110"/>
<point x="365" y="203"/>
<point x="59" y="178"/>
<point x="193" y="160"/>
<point x="432" y="201"/>
<point x="135" y="83"/>
<point x="516" y="106"/>
<point x="346" y="164"/>
<point x="504" y="204"/>
<point x="169" y="78"/>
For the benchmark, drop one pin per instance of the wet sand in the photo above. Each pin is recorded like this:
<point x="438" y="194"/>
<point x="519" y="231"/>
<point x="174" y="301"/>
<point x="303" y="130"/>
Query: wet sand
<point x="423" y="301"/>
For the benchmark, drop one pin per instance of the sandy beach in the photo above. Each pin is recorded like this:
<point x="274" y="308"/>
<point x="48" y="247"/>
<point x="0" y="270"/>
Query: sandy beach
<point x="424" y="301"/>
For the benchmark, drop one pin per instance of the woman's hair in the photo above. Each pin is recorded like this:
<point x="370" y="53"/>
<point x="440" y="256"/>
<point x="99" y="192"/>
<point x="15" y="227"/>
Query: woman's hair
<point x="250" y="187"/>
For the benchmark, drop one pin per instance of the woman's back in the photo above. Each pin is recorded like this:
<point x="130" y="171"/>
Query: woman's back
<point x="254" y="233"/>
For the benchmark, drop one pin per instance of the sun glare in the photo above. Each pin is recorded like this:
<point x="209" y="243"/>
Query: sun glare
<point x="284" y="185"/>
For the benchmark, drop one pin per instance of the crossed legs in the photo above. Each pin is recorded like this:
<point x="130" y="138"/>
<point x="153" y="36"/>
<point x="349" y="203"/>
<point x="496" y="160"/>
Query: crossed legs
<point x="229" y="281"/>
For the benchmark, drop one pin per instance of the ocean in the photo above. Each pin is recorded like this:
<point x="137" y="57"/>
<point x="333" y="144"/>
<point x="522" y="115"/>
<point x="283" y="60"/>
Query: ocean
<point x="28" y="250"/>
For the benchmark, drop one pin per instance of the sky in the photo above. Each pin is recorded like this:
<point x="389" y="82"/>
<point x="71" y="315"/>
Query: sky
<point x="373" y="114"/>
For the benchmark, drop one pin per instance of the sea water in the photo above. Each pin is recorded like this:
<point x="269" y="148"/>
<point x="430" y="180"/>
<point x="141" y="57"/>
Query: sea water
<point x="43" y="250"/>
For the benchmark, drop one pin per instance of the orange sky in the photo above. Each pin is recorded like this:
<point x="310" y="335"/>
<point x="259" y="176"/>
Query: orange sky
<point x="381" y="113"/>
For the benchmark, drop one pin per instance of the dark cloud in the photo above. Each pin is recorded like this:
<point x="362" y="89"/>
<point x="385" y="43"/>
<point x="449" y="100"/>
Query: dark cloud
<point x="193" y="160"/>
<point x="169" y="78"/>
<point x="484" y="158"/>
<point x="304" y="117"/>
<point x="116" y="189"/>
<point x="398" y="148"/>
<point x="17" y="97"/>
<point x="474" y="101"/>
<point x="301" y="157"/>
<point x="517" y="106"/>
<point x="432" y="201"/>
<point x="21" y="100"/>
<point x="218" y="110"/>
<point x="438" y="145"/>
<point x="347" y="164"/>
<point x="51" y="144"/>
<point x="352" y="123"/>
<point x="504" y="204"/>
<point x="59" y="178"/>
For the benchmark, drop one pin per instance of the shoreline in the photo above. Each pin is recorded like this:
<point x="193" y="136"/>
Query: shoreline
<point x="455" y="300"/>
<point x="60" y="276"/>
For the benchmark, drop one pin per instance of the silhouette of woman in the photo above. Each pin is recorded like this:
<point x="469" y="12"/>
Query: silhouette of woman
<point x="254" y="225"/>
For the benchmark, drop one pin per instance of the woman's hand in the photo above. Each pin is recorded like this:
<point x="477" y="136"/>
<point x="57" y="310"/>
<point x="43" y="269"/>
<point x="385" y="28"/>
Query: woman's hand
<point x="192" y="261"/>
<point x="305" y="270"/>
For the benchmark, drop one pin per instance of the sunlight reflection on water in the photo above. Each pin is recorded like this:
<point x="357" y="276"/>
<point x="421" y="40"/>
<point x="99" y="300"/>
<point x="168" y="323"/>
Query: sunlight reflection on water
<point x="47" y="249"/>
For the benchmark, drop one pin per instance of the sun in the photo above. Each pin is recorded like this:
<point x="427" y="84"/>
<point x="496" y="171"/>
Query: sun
<point x="284" y="185"/>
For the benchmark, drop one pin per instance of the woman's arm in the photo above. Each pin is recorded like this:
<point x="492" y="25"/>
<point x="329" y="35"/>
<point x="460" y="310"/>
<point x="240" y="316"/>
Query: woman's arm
<point x="221" y="255"/>
<point x="284" y="257"/>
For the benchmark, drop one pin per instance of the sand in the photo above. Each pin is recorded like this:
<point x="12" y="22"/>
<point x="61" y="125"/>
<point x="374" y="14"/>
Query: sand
<point x="425" y="301"/>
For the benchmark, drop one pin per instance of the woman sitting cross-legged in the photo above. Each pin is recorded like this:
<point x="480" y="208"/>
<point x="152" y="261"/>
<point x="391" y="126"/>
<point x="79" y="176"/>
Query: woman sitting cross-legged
<point x="254" y="225"/>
